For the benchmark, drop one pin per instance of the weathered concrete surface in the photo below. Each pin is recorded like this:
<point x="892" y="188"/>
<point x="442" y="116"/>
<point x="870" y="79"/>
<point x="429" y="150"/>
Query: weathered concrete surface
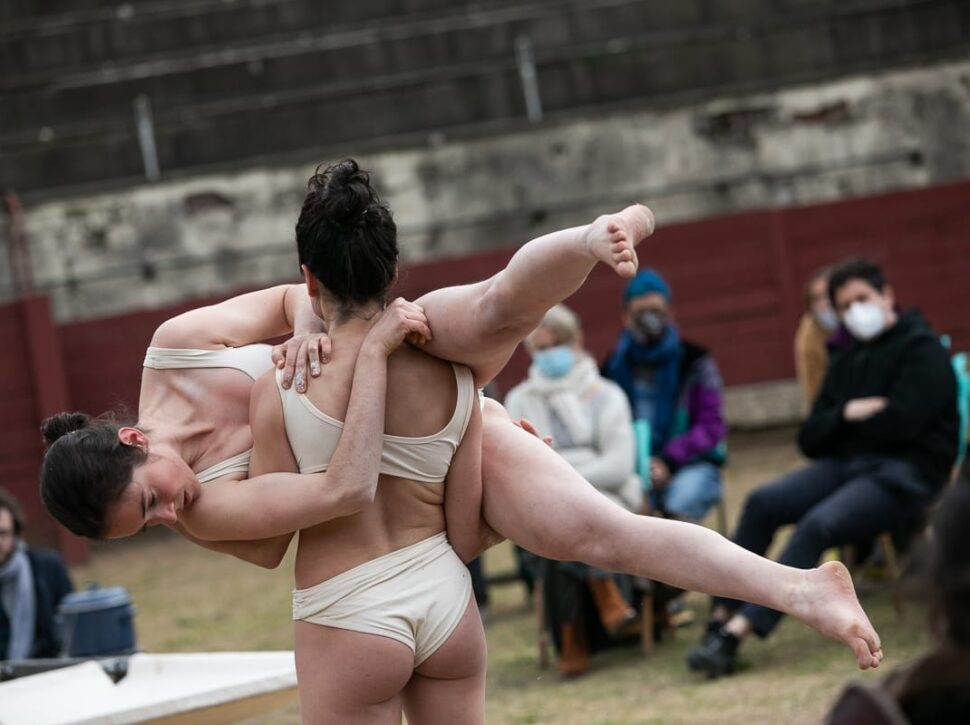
<point x="155" y="245"/>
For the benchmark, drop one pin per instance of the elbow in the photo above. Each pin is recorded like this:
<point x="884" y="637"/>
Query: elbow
<point x="272" y="560"/>
<point x="356" y="499"/>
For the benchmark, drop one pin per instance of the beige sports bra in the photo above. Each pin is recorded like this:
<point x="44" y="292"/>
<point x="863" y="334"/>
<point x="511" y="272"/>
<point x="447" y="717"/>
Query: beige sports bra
<point x="253" y="360"/>
<point x="313" y="436"/>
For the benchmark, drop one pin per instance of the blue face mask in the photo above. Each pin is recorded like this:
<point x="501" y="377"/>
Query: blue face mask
<point x="554" y="362"/>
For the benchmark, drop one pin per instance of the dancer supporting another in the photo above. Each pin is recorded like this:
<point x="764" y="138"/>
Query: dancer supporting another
<point x="557" y="514"/>
<point x="385" y="617"/>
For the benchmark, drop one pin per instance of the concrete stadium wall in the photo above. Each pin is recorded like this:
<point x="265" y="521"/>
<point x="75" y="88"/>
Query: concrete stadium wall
<point x="154" y="245"/>
<point x="257" y="80"/>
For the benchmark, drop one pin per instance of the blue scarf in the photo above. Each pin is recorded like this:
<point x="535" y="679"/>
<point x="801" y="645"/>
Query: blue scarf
<point x="664" y="358"/>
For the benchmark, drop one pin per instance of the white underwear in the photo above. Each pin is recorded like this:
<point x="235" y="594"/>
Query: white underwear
<point x="415" y="595"/>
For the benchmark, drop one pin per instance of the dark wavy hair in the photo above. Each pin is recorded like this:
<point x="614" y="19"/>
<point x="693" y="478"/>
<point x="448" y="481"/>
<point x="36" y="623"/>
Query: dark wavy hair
<point x="855" y="268"/>
<point x="9" y="503"/>
<point x="346" y="235"/>
<point x="85" y="470"/>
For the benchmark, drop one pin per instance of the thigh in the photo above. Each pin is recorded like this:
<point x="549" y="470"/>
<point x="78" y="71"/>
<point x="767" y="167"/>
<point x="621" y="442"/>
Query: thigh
<point x="792" y="496"/>
<point x="693" y="490"/>
<point x="465" y="332"/>
<point x="349" y="677"/>
<point x="449" y="686"/>
<point x="859" y="510"/>
<point x="532" y="496"/>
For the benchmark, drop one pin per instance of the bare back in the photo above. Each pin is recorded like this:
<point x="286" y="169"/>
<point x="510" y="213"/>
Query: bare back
<point x="421" y="401"/>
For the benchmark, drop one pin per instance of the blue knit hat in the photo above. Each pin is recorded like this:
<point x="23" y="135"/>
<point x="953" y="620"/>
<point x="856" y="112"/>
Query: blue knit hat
<point x="647" y="281"/>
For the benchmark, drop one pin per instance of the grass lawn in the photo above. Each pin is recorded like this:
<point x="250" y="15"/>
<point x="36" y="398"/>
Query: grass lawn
<point x="189" y="599"/>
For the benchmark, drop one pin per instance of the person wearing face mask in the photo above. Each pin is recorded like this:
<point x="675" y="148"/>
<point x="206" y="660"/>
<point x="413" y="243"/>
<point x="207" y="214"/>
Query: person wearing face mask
<point x="675" y="386"/>
<point x="32" y="584"/>
<point x="589" y="421"/>
<point x="882" y="435"/>
<point x="819" y="331"/>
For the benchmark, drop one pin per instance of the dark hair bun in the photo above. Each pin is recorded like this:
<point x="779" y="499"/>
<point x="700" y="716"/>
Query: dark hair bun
<point x="62" y="424"/>
<point x="348" y="194"/>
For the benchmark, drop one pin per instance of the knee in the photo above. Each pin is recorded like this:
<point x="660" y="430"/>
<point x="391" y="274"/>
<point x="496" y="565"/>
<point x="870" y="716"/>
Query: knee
<point x="760" y="505"/>
<point x="818" y="529"/>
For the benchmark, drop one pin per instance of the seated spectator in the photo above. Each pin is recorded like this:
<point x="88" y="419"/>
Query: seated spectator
<point x="819" y="322"/>
<point x="589" y="421"/>
<point x="934" y="689"/>
<point x="883" y="438"/>
<point x="32" y="584"/>
<point x="676" y="387"/>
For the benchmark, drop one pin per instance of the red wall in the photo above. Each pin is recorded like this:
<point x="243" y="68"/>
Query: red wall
<point x="738" y="279"/>
<point x="737" y="284"/>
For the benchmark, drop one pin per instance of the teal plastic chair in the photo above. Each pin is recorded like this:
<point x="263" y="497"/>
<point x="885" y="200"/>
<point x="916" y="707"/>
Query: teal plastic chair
<point x="641" y="433"/>
<point x="959" y="362"/>
<point x="644" y="444"/>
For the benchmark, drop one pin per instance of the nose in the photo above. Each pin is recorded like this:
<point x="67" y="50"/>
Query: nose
<point x="166" y="514"/>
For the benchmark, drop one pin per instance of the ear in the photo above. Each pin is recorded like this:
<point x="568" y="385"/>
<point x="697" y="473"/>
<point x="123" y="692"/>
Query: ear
<point x="890" y="294"/>
<point x="132" y="437"/>
<point x="394" y="278"/>
<point x="312" y="286"/>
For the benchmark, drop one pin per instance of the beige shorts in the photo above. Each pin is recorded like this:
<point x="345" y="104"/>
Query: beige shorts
<point x="415" y="595"/>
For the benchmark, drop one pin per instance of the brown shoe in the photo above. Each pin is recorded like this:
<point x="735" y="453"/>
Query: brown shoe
<point x="613" y="610"/>
<point x="574" y="654"/>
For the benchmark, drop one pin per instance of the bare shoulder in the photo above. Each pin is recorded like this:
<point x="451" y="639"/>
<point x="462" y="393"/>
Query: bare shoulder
<point x="421" y="392"/>
<point x="183" y="331"/>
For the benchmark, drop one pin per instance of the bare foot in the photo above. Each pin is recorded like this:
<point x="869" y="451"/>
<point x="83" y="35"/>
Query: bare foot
<point x="613" y="238"/>
<point x="827" y="601"/>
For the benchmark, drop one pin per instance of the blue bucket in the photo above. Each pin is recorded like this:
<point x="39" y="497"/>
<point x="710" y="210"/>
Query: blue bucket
<point x="97" y="622"/>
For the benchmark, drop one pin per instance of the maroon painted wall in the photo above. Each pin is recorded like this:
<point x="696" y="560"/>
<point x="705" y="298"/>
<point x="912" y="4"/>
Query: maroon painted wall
<point x="737" y="289"/>
<point x="738" y="279"/>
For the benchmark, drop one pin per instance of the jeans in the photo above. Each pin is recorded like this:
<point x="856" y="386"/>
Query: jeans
<point x="691" y="492"/>
<point x="832" y="502"/>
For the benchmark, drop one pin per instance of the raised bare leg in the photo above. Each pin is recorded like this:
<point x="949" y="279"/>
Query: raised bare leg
<point x="480" y="324"/>
<point x="536" y="499"/>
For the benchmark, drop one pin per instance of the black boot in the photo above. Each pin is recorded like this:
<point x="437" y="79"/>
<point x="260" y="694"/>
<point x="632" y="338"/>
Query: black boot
<point x="716" y="653"/>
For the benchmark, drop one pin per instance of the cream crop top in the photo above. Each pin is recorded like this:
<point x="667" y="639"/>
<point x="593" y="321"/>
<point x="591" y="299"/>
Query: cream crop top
<point x="313" y="436"/>
<point x="253" y="360"/>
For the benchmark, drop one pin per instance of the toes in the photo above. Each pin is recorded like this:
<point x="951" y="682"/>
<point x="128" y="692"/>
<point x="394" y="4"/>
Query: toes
<point x="626" y="269"/>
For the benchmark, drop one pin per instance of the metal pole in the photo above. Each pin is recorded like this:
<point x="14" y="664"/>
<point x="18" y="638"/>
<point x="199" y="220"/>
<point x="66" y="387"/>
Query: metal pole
<point x="146" y="137"/>
<point x="525" y="60"/>
<point x="21" y="267"/>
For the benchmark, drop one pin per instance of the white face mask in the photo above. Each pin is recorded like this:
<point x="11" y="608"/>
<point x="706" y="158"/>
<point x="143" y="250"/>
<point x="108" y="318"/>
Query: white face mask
<point x="865" y="320"/>
<point x="827" y="319"/>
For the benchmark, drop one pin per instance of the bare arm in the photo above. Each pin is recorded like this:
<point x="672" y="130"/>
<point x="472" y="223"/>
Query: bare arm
<point x="276" y="504"/>
<point x="267" y="553"/>
<point x="241" y="320"/>
<point x="463" y="491"/>
<point x="271" y="452"/>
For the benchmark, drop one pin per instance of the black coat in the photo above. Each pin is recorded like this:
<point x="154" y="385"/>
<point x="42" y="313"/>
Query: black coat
<point x="51" y="585"/>
<point x="908" y="365"/>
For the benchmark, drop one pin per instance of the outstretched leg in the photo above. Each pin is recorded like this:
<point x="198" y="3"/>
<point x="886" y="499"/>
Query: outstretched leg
<point x="536" y="499"/>
<point x="480" y="324"/>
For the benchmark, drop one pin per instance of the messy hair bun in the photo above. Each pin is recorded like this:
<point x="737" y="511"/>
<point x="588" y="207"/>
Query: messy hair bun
<point x="85" y="473"/>
<point x="348" y="194"/>
<point x="346" y="236"/>
<point x="62" y="424"/>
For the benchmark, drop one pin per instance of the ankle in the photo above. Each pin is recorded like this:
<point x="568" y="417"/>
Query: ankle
<point x="738" y="626"/>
